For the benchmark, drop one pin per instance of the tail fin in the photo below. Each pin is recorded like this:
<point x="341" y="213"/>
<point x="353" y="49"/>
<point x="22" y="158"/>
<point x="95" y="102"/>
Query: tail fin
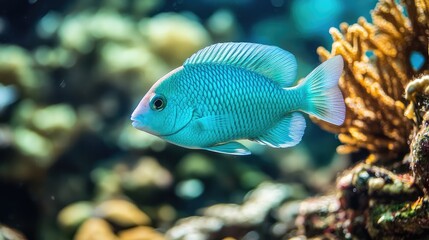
<point x="323" y="97"/>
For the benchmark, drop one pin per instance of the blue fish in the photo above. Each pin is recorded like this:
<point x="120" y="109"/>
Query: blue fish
<point x="231" y="91"/>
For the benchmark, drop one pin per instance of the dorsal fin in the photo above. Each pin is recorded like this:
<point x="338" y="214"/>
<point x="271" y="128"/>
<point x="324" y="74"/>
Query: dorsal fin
<point x="269" y="61"/>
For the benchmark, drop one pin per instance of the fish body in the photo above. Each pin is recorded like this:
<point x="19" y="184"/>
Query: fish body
<point x="231" y="91"/>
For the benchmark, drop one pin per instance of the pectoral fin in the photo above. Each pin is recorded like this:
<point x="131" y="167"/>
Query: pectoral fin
<point x="213" y="122"/>
<point x="233" y="148"/>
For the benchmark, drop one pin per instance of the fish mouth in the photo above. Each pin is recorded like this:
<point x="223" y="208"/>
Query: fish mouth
<point x="136" y="123"/>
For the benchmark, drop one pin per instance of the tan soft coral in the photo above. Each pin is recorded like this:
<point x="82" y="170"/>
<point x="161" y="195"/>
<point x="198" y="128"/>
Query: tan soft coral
<point x="373" y="86"/>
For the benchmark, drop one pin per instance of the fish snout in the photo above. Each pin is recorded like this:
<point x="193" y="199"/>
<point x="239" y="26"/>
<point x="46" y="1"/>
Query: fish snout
<point x="137" y="117"/>
<point x="135" y="122"/>
<point x="138" y="120"/>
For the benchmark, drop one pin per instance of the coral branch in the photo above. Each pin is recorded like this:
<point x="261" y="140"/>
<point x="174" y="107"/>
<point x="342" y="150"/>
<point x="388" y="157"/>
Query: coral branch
<point x="378" y="67"/>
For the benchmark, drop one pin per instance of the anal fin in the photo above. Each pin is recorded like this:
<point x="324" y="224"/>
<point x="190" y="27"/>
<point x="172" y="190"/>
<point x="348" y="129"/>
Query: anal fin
<point x="233" y="148"/>
<point x="286" y="133"/>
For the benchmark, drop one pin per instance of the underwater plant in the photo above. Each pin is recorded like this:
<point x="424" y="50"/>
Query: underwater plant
<point x="380" y="60"/>
<point x="385" y="84"/>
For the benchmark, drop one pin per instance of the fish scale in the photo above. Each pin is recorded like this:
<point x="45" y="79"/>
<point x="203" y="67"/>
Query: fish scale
<point x="252" y="100"/>
<point x="232" y="91"/>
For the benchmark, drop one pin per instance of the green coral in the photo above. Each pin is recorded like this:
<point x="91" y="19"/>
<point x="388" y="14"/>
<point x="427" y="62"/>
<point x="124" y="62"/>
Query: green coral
<point x="400" y="218"/>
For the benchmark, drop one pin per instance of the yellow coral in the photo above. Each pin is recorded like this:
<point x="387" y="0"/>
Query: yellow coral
<point x="122" y="213"/>
<point x="95" y="229"/>
<point x="377" y="69"/>
<point x="413" y="90"/>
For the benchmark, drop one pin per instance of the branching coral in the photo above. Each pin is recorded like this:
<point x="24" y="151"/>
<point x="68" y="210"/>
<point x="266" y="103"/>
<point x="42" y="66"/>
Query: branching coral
<point x="377" y="68"/>
<point x="380" y="79"/>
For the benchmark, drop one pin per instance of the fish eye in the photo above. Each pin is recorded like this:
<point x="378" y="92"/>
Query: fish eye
<point x="158" y="103"/>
